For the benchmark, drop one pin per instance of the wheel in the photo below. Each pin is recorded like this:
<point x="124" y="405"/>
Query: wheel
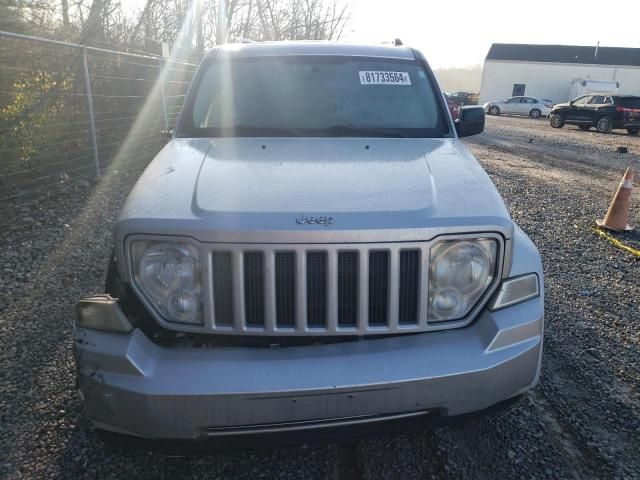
<point x="604" y="124"/>
<point x="557" y="120"/>
<point x="584" y="127"/>
<point x="535" y="113"/>
<point x="633" y="130"/>
<point x="494" y="110"/>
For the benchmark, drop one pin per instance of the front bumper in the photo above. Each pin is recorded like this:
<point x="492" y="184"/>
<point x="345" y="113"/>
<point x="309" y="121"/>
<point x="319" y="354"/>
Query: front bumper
<point x="131" y="385"/>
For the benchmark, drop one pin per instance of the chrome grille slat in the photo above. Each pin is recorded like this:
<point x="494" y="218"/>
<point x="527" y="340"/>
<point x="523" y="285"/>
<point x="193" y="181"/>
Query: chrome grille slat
<point x="270" y="291"/>
<point x="332" y="290"/>
<point x="394" y="289"/>
<point x="301" y="291"/>
<point x="422" y="287"/>
<point x="363" y="290"/>
<point x="238" y="291"/>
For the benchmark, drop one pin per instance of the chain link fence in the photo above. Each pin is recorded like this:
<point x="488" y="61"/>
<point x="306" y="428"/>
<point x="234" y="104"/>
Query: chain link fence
<point x="70" y="113"/>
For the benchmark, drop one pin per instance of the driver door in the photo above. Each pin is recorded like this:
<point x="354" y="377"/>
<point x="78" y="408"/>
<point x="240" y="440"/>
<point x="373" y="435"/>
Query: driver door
<point x="512" y="105"/>
<point x="591" y="109"/>
<point x="577" y="111"/>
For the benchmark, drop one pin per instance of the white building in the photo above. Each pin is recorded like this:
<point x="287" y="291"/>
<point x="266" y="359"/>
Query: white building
<point x="553" y="71"/>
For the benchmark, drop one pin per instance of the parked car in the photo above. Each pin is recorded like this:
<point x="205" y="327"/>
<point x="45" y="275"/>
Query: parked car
<point x="453" y="107"/>
<point x="602" y="111"/>
<point x="313" y="249"/>
<point x="464" y="98"/>
<point x="530" y="106"/>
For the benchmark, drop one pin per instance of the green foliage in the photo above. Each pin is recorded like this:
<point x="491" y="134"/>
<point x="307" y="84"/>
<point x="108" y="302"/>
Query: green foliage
<point x="36" y="114"/>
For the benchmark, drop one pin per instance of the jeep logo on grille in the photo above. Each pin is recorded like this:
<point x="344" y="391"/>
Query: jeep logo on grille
<point x="311" y="220"/>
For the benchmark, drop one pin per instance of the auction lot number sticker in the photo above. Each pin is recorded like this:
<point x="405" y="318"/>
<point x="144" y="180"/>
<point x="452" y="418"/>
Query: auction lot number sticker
<point x="374" y="77"/>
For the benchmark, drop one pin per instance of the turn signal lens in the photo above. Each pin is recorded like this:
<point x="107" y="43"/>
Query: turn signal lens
<point x="515" y="290"/>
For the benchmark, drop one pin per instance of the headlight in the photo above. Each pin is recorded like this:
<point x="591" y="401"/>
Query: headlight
<point x="460" y="273"/>
<point x="168" y="274"/>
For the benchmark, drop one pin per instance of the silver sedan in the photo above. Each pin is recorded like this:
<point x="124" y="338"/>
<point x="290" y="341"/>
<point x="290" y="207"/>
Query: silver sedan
<point x="531" y="106"/>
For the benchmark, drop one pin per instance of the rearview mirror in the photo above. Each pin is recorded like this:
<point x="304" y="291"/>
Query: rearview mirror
<point x="470" y="121"/>
<point x="167" y="134"/>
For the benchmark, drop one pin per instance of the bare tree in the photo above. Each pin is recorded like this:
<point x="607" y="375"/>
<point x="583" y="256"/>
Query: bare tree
<point x="193" y="23"/>
<point x="64" y="5"/>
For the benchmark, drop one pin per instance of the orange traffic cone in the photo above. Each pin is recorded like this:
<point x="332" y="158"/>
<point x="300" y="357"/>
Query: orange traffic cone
<point x="617" y="216"/>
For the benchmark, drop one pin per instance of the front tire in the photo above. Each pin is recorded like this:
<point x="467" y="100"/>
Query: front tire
<point x="604" y="124"/>
<point x="494" y="110"/>
<point x="556" y="120"/>
<point x="535" y="113"/>
<point x="633" y="131"/>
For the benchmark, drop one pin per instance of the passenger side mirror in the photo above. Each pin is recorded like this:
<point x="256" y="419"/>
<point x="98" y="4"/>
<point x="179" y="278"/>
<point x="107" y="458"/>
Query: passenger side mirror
<point x="571" y="103"/>
<point x="470" y="121"/>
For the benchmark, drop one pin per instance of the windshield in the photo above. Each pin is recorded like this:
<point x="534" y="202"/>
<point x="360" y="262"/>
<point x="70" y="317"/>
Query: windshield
<point x="313" y="96"/>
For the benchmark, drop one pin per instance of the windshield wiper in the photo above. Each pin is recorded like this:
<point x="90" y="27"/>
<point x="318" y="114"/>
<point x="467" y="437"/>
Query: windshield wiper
<point x="349" y="130"/>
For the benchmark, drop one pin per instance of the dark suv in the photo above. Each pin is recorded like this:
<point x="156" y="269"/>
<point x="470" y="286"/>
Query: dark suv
<point x="464" y="98"/>
<point x="603" y="111"/>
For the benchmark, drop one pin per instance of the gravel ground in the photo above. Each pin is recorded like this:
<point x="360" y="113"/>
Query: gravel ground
<point x="583" y="420"/>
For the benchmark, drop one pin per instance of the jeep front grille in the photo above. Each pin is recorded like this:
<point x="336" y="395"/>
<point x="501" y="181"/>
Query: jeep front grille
<point x="325" y="290"/>
<point x="347" y="289"/>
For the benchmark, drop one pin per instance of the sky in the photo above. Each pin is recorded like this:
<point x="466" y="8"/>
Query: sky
<point x="459" y="33"/>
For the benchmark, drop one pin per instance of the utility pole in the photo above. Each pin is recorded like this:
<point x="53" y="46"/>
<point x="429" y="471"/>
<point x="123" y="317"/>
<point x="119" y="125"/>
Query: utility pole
<point x="222" y="22"/>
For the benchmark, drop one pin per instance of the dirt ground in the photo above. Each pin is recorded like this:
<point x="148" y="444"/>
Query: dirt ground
<point x="581" y="422"/>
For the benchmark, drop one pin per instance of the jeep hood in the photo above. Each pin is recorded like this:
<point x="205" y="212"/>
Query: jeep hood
<point x="251" y="189"/>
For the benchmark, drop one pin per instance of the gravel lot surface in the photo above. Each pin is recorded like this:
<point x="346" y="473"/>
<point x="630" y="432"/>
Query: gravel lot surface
<point x="583" y="420"/>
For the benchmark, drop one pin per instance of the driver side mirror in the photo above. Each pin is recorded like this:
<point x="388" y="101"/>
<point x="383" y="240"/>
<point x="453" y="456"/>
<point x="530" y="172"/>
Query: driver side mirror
<point x="571" y="103"/>
<point x="470" y="121"/>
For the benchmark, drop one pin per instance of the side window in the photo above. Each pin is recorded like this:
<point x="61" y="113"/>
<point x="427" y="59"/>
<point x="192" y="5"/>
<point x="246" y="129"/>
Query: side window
<point x="596" y="100"/>
<point x="608" y="100"/>
<point x="514" y="100"/>
<point x="581" y="100"/>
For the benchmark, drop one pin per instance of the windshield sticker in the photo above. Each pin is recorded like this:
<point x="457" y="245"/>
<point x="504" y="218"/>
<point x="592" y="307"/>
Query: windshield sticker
<point x="371" y="77"/>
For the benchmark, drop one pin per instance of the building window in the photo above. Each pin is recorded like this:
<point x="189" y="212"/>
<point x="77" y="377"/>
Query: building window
<point x="518" y="89"/>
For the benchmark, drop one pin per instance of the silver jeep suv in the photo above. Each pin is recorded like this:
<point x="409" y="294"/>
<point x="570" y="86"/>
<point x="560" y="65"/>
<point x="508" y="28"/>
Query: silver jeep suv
<point x="313" y="248"/>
